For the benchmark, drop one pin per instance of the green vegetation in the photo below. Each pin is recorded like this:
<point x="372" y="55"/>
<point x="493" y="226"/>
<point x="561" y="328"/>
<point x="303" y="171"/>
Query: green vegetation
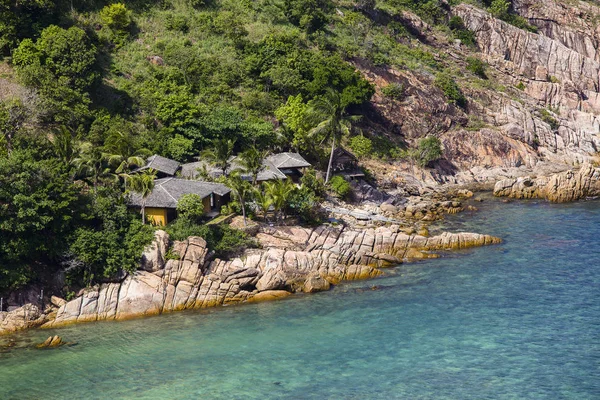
<point x="107" y="84"/>
<point x="548" y="118"/>
<point x="361" y="146"/>
<point x="340" y="187"/>
<point x="476" y="66"/>
<point x="451" y="89"/>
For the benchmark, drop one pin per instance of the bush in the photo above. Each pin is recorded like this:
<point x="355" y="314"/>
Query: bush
<point x="549" y="119"/>
<point x="340" y="187"/>
<point x="476" y="66"/>
<point x="451" y="89"/>
<point x="429" y="149"/>
<point x="393" y="91"/>
<point x="361" y="146"/>
<point x="310" y="181"/>
<point x="521" y="86"/>
<point x="222" y="239"/>
<point x="460" y="31"/>
<point x="190" y="206"/>
<point x="116" y="16"/>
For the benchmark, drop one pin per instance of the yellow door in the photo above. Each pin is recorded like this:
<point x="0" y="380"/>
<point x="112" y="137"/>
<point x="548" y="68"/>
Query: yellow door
<point x="158" y="216"/>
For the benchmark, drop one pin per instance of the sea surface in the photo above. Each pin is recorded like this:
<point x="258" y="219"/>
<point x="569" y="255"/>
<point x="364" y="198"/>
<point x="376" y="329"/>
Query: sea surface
<point x="519" y="320"/>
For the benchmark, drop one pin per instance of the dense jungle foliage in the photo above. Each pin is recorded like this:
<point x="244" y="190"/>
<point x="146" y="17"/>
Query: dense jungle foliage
<point x="88" y="87"/>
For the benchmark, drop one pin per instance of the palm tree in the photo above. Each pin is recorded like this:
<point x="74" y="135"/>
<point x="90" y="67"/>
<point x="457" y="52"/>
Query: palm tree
<point x="332" y="122"/>
<point x="251" y="161"/>
<point x="62" y="141"/>
<point x="91" y="164"/>
<point x="142" y="183"/>
<point x="219" y="154"/>
<point x="240" y="188"/>
<point x="121" y="153"/>
<point x="279" y="191"/>
<point x="263" y="202"/>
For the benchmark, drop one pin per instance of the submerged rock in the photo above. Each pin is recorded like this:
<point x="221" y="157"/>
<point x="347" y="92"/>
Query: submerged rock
<point x="51" y="342"/>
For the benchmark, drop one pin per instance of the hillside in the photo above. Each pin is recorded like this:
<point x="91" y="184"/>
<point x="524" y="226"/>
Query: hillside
<point x="86" y="89"/>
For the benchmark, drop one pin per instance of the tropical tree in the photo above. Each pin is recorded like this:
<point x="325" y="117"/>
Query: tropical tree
<point x="121" y="153"/>
<point x="280" y="191"/>
<point x="240" y="189"/>
<point x="263" y="202"/>
<point x="331" y="120"/>
<point x="143" y="184"/>
<point x="252" y="162"/>
<point x="91" y="164"/>
<point x="62" y="141"/>
<point x="219" y="154"/>
<point x="12" y="117"/>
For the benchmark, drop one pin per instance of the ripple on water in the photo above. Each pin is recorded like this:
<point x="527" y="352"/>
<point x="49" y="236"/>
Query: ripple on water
<point x="516" y="321"/>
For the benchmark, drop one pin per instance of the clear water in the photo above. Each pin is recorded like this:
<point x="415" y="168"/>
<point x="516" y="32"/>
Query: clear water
<point x="515" y="321"/>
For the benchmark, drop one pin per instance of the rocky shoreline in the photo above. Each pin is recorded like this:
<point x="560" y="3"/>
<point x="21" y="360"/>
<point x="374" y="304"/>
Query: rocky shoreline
<point x="292" y="260"/>
<point x="183" y="275"/>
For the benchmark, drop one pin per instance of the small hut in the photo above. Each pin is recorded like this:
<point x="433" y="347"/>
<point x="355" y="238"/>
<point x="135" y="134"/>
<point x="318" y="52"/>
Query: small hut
<point x="346" y="164"/>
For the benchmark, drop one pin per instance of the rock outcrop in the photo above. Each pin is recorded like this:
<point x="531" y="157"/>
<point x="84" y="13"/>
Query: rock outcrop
<point x="558" y="188"/>
<point x="296" y="260"/>
<point x="27" y="316"/>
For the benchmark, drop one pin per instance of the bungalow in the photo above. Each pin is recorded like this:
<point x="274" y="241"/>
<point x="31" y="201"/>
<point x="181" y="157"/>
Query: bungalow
<point x="346" y="164"/>
<point x="161" y="204"/>
<point x="163" y="166"/>
<point x="275" y="166"/>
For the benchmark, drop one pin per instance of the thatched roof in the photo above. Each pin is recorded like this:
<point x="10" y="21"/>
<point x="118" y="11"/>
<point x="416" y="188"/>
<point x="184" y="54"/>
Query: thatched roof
<point x="288" y="160"/>
<point x="167" y="191"/>
<point x="161" y="164"/>
<point x="272" y="166"/>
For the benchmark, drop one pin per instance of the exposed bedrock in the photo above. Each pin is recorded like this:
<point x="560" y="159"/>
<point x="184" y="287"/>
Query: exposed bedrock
<point x="559" y="188"/>
<point x="294" y="260"/>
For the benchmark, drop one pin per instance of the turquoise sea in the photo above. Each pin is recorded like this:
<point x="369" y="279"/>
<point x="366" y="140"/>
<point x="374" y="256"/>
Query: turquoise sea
<point x="516" y="321"/>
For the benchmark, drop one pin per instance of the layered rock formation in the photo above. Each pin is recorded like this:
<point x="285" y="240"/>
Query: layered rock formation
<point x="295" y="259"/>
<point x="535" y="115"/>
<point x="559" y="188"/>
<point x="24" y="317"/>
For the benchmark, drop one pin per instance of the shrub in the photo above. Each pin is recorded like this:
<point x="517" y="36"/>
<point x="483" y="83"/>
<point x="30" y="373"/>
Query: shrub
<point x="451" y="89"/>
<point x="460" y="31"/>
<point x="429" y="149"/>
<point x="549" y="119"/>
<point x="476" y="66"/>
<point x="190" y="206"/>
<point x="310" y="181"/>
<point x="116" y="16"/>
<point x="521" y="86"/>
<point x="393" y="91"/>
<point x="340" y="187"/>
<point x="361" y="146"/>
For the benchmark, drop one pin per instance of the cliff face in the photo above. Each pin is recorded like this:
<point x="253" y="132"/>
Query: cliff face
<point x="536" y="113"/>
<point x="295" y="260"/>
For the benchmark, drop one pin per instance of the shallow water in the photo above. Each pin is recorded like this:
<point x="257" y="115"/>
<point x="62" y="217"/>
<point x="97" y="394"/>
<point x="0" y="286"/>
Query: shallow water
<point x="516" y="321"/>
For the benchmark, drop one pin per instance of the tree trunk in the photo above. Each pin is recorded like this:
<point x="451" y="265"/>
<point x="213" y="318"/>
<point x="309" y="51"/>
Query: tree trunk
<point x="143" y="212"/>
<point x="243" y="210"/>
<point x="330" y="159"/>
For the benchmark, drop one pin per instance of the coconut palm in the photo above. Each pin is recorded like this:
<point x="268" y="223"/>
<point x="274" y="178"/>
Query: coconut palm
<point x="279" y="191"/>
<point x="91" y="164"/>
<point x="143" y="184"/>
<point x="251" y="161"/>
<point x="263" y="202"/>
<point x="329" y="115"/>
<point x="240" y="189"/>
<point x="62" y="141"/>
<point x="219" y="154"/>
<point x="121" y="153"/>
